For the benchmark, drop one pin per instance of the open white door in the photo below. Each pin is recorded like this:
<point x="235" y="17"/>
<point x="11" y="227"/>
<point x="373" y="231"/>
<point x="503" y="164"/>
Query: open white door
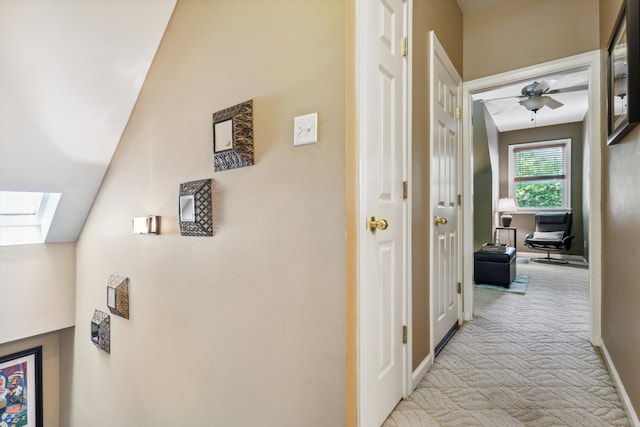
<point x="381" y="106"/>
<point x="446" y="176"/>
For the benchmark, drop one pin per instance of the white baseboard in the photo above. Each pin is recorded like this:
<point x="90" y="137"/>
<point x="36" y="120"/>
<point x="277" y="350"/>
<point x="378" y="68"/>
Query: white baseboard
<point x="421" y="371"/>
<point x="626" y="402"/>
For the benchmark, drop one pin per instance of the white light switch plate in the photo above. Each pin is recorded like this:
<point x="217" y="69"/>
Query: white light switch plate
<point x="305" y="129"/>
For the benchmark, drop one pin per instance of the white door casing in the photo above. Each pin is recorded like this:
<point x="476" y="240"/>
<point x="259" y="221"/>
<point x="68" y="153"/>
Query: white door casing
<point x="446" y="158"/>
<point x="591" y="62"/>
<point x="381" y="110"/>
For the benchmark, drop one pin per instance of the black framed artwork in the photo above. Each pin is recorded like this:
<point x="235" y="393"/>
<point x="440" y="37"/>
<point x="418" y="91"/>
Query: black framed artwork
<point x="21" y="388"/>
<point x="623" y="73"/>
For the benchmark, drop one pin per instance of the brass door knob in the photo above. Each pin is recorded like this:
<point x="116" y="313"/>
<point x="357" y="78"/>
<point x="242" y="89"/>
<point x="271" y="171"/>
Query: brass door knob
<point x="380" y="224"/>
<point x="439" y="220"/>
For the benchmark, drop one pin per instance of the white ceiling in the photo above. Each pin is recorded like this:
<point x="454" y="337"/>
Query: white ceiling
<point x="509" y="115"/>
<point x="70" y="74"/>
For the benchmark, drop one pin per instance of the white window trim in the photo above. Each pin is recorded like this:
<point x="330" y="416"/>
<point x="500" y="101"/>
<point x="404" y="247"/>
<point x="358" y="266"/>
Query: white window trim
<point x="29" y="229"/>
<point x="566" y="199"/>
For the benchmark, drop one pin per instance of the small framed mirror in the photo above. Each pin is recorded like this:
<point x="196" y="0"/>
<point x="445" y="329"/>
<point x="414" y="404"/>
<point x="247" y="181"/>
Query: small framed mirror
<point x="101" y="330"/>
<point x="195" y="210"/>
<point x="118" y="295"/>
<point x="233" y="137"/>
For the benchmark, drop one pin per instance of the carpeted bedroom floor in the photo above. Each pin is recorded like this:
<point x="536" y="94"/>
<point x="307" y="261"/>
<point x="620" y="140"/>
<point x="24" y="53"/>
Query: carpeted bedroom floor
<point x="525" y="360"/>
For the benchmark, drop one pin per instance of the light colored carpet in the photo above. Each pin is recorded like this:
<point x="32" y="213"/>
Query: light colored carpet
<point x="525" y="360"/>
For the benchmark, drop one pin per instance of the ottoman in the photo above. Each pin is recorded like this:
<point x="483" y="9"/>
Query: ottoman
<point x="495" y="267"/>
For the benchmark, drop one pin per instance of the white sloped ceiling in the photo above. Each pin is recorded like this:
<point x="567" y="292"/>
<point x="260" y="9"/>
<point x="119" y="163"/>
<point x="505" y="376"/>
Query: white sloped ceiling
<point x="70" y="74"/>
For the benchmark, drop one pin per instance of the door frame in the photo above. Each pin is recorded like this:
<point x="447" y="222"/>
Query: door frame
<point x="591" y="62"/>
<point x="437" y="50"/>
<point x="357" y="227"/>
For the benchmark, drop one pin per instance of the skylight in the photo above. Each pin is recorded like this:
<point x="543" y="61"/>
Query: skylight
<point x="25" y="217"/>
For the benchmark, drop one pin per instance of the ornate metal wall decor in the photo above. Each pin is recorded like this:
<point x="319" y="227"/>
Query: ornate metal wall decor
<point x="118" y="295"/>
<point x="194" y="210"/>
<point x="233" y="137"/>
<point x="101" y="330"/>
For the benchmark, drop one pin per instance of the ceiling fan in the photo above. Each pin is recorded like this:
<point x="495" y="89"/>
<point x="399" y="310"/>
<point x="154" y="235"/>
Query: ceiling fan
<point x="536" y="95"/>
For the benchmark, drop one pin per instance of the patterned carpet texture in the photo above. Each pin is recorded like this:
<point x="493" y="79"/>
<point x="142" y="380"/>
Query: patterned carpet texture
<point x="525" y="360"/>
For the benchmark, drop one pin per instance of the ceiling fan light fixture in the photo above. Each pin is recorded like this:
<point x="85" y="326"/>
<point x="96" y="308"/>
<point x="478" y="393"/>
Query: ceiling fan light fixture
<point x="533" y="103"/>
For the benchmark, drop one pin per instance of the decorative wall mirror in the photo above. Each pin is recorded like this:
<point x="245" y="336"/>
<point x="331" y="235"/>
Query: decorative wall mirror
<point x="101" y="330"/>
<point x="233" y="137"/>
<point x="118" y="295"/>
<point x="194" y="208"/>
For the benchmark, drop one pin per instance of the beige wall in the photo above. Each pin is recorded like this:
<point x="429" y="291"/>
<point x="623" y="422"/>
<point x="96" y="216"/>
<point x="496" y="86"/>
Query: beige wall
<point x="516" y="34"/>
<point x="621" y="249"/>
<point x="51" y="361"/>
<point x="445" y="19"/>
<point x="37" y="291"/>
<point x="621" y="241"/>
<point x="525" y="222"/>
<point x="246" y="327"/>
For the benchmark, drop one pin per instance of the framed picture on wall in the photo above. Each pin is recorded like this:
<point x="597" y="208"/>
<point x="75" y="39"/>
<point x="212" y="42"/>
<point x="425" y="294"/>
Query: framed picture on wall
<point x="21" y="388"/>
<point x="623" y="73"/>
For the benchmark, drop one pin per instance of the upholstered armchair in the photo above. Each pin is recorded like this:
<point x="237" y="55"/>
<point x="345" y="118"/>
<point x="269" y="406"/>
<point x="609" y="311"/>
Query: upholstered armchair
<point x="553" y="233"/>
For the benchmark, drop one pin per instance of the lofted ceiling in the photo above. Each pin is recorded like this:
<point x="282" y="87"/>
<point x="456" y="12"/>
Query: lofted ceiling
<point x="70" y="74"/>
<point x="503" y="105"/>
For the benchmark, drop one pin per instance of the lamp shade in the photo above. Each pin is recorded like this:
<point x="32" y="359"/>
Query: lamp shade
<point x="506" y="205"/>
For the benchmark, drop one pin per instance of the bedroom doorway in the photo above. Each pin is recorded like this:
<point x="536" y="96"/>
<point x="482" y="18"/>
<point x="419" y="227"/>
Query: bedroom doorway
<point x="590" y="63"/>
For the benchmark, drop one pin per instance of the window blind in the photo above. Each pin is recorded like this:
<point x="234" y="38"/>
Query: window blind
<point x="539" y="163"/>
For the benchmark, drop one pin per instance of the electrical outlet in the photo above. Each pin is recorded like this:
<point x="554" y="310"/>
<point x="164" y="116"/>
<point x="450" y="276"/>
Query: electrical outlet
<point x="305" y="129"/>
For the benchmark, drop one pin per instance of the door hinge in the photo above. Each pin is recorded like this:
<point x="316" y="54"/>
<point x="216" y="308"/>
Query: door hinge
<point x="458" y="112"/>
<point x="405" y="46"/>
<point x="405" y="190"/>
<point x="459" y="287"/>
<point x="404" y="334"/>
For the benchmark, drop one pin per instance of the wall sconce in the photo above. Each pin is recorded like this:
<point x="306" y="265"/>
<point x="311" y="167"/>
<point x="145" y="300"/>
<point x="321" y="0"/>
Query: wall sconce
<point x="118" y="295"/>
<point x="101" y="330"/>
<point x="146" y="225"/>
<point x="506" y="206"/>
<point x="194" y="208"/>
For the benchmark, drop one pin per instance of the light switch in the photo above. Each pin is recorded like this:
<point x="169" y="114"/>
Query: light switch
<point x="305" y="129"/>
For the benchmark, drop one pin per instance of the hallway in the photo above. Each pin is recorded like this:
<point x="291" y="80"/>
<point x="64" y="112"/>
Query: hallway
<point x="525" y="360"/>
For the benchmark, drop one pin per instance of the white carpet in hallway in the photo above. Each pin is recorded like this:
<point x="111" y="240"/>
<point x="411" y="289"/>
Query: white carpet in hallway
<point x="525" y="360"/>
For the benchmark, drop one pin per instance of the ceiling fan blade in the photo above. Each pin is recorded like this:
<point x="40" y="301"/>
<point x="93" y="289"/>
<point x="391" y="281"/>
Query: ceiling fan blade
<point x="551" y="103"/>
<point x="543" y="86"/>
<point x="568" y="89"/>
<point x="504" y="109"/>
<point x="503" y="97"/>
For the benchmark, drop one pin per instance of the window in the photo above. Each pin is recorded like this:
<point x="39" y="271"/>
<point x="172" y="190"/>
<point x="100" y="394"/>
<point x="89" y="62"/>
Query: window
<point x="540" y="175"/>
<point x="25" y="217"/>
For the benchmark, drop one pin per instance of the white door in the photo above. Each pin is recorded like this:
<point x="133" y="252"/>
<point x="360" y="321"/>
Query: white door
<point x="445" y="188"/>
<point x="381" y="113"/>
